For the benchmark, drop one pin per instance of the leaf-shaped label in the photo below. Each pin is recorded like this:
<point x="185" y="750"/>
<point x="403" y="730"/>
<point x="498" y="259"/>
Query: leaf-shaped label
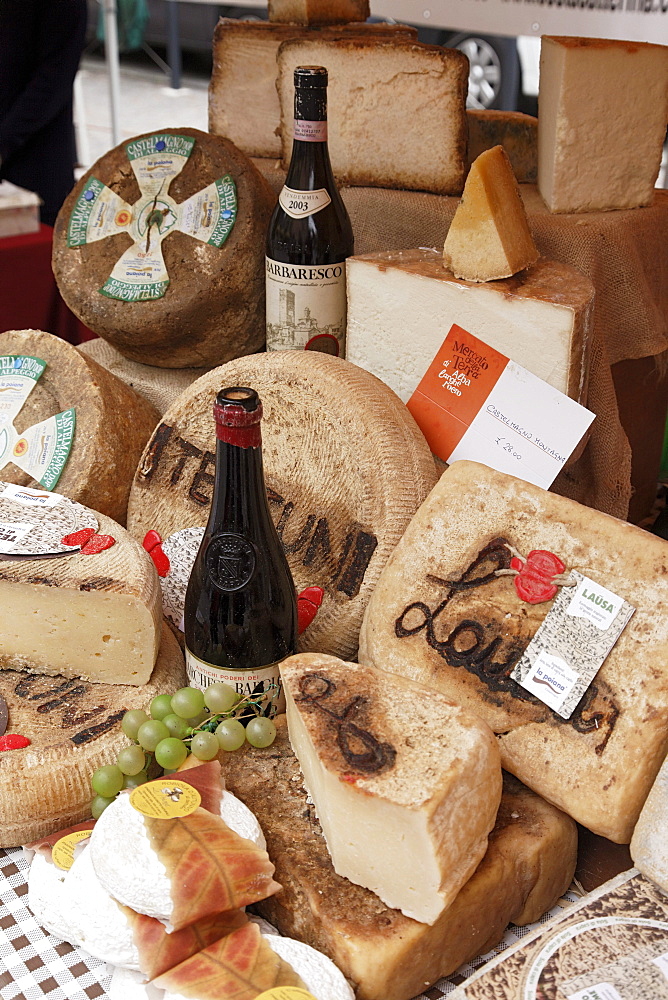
<point x="211" y="868"/>
<point x="207" y="779"/>
<point x="160" y="951"/>
<point x="238" y="967"/>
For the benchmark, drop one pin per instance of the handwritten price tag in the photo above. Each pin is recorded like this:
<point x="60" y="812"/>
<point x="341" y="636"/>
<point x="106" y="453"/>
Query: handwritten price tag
<point x="474" y="403"/>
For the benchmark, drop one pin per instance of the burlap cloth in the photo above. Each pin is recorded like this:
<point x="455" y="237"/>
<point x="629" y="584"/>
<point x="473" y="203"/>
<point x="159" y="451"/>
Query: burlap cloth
<point x="624" y="253"/>
<point x="626" y="256"/>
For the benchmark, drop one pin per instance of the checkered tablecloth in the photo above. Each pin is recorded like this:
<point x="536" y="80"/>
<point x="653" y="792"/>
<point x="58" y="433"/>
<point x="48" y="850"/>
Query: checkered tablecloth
<point x="34" y="964"/>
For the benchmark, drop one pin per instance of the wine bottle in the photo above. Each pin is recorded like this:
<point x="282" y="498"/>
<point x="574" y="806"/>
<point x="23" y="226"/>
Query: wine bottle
<point x="309" y="235"/>
<point x="240" y="616"/>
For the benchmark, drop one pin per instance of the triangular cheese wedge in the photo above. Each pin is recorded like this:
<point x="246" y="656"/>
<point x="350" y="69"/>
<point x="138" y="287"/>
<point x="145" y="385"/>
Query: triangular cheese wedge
<point x="405" y="783"/>
<point x="489" y="235"/>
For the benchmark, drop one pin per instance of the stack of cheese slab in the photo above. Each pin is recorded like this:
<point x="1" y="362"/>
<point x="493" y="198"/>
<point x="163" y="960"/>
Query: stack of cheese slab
<point x="82" y="641"/>
<point x="451" y="609"/>
<point x="382" y="952"/>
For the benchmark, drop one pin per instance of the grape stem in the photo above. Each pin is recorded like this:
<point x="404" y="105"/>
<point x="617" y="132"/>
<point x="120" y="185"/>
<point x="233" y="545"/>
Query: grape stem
<point x="250" y="701"/>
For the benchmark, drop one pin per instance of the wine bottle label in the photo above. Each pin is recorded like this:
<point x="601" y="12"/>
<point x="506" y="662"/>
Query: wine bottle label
<point x="263" y="683"/>
<point x="306" y="307"/>
<point x="310" y="131"/>
<point x="299" y="204"/>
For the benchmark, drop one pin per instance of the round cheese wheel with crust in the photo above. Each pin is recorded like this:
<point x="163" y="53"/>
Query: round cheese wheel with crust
<point x="213" y="306"/>
<point x="112" y="422"/>
<point x="346" y="467"/>
<point x="74" y="727"/>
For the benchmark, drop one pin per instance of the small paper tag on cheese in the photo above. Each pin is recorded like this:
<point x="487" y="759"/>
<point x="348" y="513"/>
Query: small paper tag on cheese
<point x="62" y="851"/>
<point x="165" y="798"/>
<point x="572" y="642"/>
<point x="475" y="403"/>
<point x="602" y="991"/>
<point x="29" y="497"/>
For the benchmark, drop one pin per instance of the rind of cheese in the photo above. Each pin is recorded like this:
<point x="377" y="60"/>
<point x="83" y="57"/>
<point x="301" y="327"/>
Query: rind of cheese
<point x="402" y="304"/>
<point x="602" y="112"/>
<point x="599" y="765"/>
<point x="529" y="864"/>
<point x="113" y="421"/>
<point x="649" y="844"/>
<point x="98" y="617"/>
<point x="515" y="131"/>
<point x="489" y="236"/>
<point x="318" y="11"/>
<point x="405" y="784"/>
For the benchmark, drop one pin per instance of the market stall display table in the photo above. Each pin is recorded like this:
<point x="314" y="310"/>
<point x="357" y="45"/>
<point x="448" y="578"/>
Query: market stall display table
<point x="29" y="297"/>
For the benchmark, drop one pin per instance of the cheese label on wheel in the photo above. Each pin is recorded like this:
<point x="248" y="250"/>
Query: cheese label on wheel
<point x="285" y="993"/>
<point x="165" y="798"/>
<point x="43" y="449"/>
<point x="209" y="215"/>
<point x="35" y="524"/>
<point x="62" y="851"/>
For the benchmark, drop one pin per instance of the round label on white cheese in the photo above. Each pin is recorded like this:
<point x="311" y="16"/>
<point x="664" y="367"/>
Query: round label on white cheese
<point x="165" y="798"/>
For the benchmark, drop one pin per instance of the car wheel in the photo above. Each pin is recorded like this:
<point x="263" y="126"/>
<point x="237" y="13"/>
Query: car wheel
<point x="494" y="73"/>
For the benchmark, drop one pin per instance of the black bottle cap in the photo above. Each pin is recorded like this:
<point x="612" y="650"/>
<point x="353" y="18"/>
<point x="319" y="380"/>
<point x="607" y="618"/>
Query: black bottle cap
<point x="311" y="76"/>
<point x="238" y="395"/>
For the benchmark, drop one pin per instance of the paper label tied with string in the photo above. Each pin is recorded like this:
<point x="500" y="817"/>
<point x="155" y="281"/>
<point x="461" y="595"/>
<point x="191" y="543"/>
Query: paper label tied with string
<point x="575" y="637"/>
<point x="209" y="216"/>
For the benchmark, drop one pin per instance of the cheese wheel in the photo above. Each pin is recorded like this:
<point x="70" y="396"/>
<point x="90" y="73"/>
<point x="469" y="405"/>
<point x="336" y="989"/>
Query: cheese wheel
<point x="345" y="464"/>
<point x="212" y="308"/>
<point x="74" y="727"/>
<point x="442" y="615"/>
<point x="113" y="422"/>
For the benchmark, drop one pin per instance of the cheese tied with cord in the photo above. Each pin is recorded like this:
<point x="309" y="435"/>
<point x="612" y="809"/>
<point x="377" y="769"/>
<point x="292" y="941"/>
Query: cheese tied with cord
<point x="446" y="613"/>
<point x="405" y="784"/>
<point x="402" y="304"/>
<point x="159" y="249"/>
<point x="528" y="865"/>
<point x="98" y="617"/>
<point x="602" y="112"/>
<point x="243" y="102"/>
<point x="489" y="236"/>
<point x="74" y="728"/>
<point x="346" y="467"/>
<point x="113" y="422"/>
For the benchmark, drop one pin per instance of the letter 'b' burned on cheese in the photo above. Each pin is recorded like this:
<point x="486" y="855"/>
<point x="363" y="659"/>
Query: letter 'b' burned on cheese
<point x="405" y="783"/>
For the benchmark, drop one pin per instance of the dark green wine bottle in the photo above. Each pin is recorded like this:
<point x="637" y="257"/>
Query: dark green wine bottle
<point x="240" y="616"/>
<point x="309" y="235"/>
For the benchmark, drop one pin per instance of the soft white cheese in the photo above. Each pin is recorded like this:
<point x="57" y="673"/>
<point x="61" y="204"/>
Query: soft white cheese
<point x="128" y="985"/>
<point x="98" y="924"/>
<point x="240" y="819"/>
<point x="46" y="892"/>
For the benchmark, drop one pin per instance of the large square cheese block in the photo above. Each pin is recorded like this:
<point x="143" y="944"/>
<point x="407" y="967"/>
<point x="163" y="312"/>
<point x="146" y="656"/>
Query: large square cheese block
<point x="465" y="640"/>
<point x="243" y="102"/>
<point x="402" y="304"/>
<point x="602" y="112"/>
<point x="649" y="844"/>
<point x="406" y="784"/>
<point x="385" y="955"/>
<point x="396" y="110"/>
<point x="98" y="617"/>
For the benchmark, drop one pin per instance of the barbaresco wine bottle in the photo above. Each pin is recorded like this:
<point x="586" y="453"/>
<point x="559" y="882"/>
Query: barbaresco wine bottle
<point x="309" y="235"/>
<point x="240" y="617"/>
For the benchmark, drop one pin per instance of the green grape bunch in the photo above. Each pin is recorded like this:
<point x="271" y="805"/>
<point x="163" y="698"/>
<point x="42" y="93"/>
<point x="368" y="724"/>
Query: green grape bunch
<point x="189" y="721"/>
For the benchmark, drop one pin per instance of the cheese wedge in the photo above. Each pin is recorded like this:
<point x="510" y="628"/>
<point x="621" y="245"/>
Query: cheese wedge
<point x="98" y="617"/>
<point x="385" y="955"/>
<point x="318" y="11"/>
<point x="515" y="131"/>
<point x="649" y="844"/>
<point x="489" y="235"/>
<point x="406" y="785"/>
<point x="602" y="112"/>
